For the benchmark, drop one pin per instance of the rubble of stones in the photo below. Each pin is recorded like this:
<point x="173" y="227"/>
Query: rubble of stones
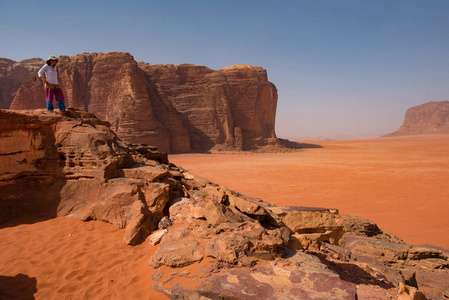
<point x="225" y="245"/>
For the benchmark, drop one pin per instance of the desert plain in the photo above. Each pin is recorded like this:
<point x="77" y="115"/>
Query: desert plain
<point x="400" y="183"/>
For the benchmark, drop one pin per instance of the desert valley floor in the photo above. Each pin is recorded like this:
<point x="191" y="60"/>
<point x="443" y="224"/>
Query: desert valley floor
<point x="400" y="183"/>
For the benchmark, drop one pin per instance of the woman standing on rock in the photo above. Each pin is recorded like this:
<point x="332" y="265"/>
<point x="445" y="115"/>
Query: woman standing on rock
<point x="52" y="88"/>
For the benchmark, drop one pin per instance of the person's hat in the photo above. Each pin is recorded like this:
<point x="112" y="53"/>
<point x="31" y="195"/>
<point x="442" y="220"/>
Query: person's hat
<point x="52" y="57"/>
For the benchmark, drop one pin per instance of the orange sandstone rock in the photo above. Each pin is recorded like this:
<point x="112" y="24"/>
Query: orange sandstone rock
<point x="13" y="74"/>
<point x="176" y="108"/>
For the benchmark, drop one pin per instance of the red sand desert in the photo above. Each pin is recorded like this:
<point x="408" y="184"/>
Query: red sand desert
<point x="399" y="183"/>
<point x="65" y="258"/>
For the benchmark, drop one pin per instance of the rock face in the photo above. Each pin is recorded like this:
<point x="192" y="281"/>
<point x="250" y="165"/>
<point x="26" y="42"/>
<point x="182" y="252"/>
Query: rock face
<point x="428" y="118"/>
<point x="13" y="74"/>
<point x="54" y="165"/>
<point x="232" y="108"/>
<point x="177" y="108"/>
<point x="214" y="243"/>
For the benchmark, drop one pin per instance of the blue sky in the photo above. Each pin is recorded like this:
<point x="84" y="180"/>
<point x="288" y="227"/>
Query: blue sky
<point x="341" y="67"/>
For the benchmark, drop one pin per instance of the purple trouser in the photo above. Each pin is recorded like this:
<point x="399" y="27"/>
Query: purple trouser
<point x="56" y="93"/>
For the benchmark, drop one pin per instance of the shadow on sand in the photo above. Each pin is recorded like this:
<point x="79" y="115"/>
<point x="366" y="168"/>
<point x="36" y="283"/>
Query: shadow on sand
<point x="18" y="287"/>
<point x="295" y="145"/>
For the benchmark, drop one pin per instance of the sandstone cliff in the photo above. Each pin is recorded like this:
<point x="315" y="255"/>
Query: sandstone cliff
<point x="55" y="165"/>
<point x="428" y="118"/>
<point x="13" y="74"/>
<point x="177" y="108"/>
<point x="230" y="108"/>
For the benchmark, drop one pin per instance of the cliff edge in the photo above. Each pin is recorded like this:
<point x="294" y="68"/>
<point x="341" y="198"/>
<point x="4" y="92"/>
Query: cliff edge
<point x="428" y="118"/>
<point x="180" y="108"/>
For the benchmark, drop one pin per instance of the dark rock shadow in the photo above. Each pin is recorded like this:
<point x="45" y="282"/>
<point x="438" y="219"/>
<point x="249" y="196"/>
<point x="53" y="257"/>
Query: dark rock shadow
<point x="19" y="287"/>
<point x="33" y="195"/>
<point x="199" y="141"/>
<point x="354" y="274"/>
<point x="28" y="219"/>
<point x="295" y="145"/>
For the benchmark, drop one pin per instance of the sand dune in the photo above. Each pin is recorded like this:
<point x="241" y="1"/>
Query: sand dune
<point x="400" y="183"/>
<point x="69" y="259"/>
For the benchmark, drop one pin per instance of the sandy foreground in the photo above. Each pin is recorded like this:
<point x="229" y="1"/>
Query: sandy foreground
<point x="402" y="184"/>
<point x="68" y="259"/>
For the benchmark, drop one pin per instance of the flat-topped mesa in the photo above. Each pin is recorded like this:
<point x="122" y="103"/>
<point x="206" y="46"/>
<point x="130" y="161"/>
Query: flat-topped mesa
<point x="428" y="118"/>
<point x="231" y="109"/>
<point x="180" y="108"/>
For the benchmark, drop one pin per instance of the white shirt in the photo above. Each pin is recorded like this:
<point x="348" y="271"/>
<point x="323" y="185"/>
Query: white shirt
<point x="51" y="74"/>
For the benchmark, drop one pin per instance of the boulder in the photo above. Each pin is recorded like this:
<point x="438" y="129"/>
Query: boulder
<point x="156" y="236"/>
<point x="178" y="248"/>
<point x="181" y="208"/>
<point x="218" y="213"/>
<point x="310" y="226"/>
<point x="359" y="226"/>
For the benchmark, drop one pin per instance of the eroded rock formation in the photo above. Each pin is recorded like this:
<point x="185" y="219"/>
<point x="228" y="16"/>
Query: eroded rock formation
<point x="428" y="118"/>
<point x="13" y="74"/>
<point x="53" y="166"/>
<point x="214" y="243"/>
<point x="177" y="108"/>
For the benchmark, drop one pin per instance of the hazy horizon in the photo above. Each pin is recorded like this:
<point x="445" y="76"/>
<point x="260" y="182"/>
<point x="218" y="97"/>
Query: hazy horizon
<point x="342" y="68"/>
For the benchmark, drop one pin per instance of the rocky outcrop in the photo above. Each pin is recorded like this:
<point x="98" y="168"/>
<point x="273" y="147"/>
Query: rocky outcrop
<point x="428" y="118"/>
<point x="422" y="267"/>
<point x="213" y="243"/>
<point x="113" y="88"/>
<point x="256" y="260"/>
<point x="13" y="74"/>
<point x="56" y="165"/>
<point x="177" y="108"/>
<point x="363" y="227"/>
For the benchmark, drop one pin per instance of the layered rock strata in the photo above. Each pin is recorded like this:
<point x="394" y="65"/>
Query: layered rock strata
<point x="428" y="118"/>
<point x="177" y="108"/>
<point x="232" y="108"/>
<point x="13" y="74"/>
<point x="214" y="243"/>
<point x="54" y="166"/>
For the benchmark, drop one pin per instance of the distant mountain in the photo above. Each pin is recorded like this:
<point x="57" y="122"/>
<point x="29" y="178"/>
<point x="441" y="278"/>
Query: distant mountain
<point x="428" y="118"/>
